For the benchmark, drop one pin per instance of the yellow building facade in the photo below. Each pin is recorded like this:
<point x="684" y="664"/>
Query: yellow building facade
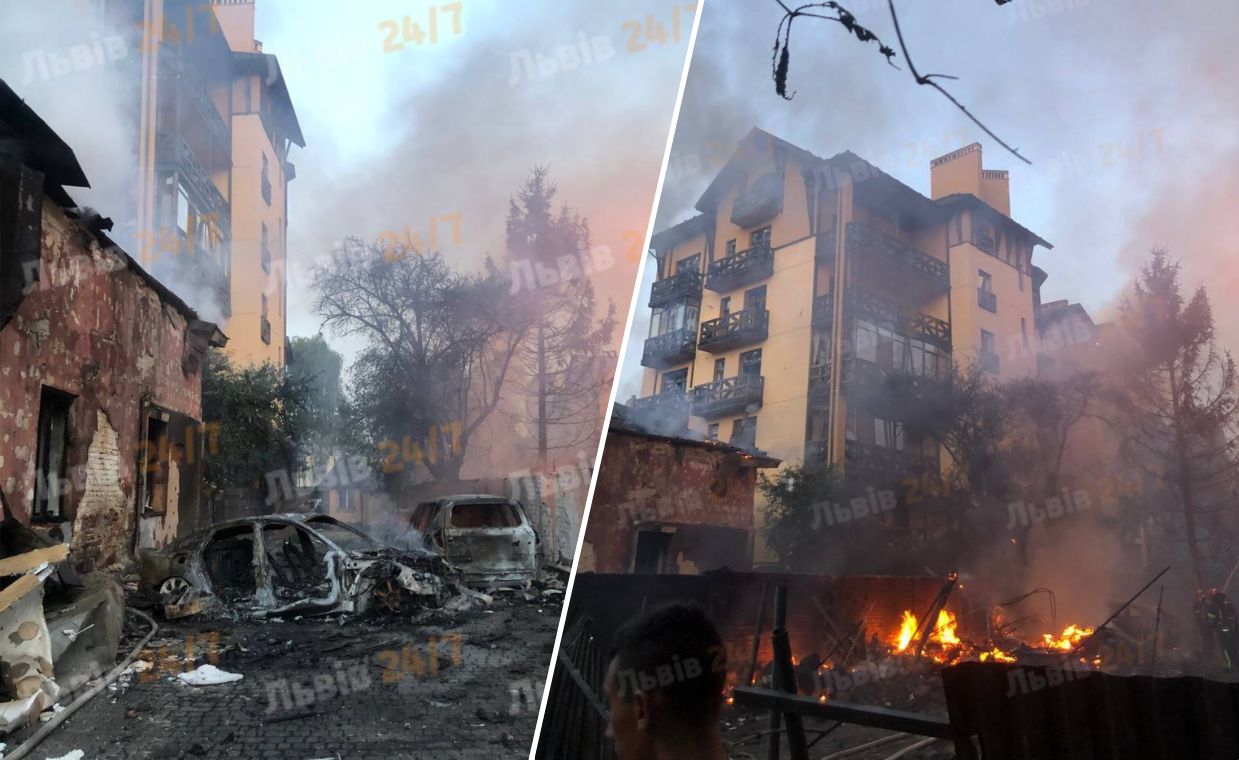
<point x="216" y="128"/>
<point x="805" y="287"/>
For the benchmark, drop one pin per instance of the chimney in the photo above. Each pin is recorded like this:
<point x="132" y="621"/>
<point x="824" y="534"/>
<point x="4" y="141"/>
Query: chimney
<point x="961" y="172"/>
<point x="236" y="20"/>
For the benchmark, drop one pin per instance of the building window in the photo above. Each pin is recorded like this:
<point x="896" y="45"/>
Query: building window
<point x="982" y="236"/>
<point x="760" y="238"/>
<point x="677" y="316"/>
<point x="986" y="297"/>
<point x="724" y="306"/>
<point x="266" y="181"/>
<point x="744" y="433"/>
<point x="265" y="252"/>
<point x="264" y="324"/>
<point x="675" y="381"/>
<point x="720" y="366"/>
<point x="888" y="434"/>
<point x="182" y="211"/>
<point x="988" y="356"/>
<point x="653" y="552"/>
<point x="731" y="247"/>
<point x="689" y="264"/>
<point x="53" y="443"/>
<point x="712" y="431"/>
<point x="755" y="299"/>
<point x="750" y="363"/>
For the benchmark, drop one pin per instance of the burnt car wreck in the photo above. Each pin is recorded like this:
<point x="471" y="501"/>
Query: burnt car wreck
<point x="489" y="538"/>
<point x="309" y="564"/>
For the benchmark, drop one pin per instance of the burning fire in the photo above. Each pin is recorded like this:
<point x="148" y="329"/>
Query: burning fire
<point x="1071" y="637"/>
<point x="943" y="632"/>
<point x="996" y="655"/>
<point x="907" y="628"/>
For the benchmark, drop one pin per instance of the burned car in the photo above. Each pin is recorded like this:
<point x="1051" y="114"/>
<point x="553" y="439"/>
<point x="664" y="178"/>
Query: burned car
<point x="292" y="563"/>
<point x="489" y="538"/>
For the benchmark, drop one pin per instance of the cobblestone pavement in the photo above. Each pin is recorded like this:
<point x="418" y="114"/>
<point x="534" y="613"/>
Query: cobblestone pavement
<point x="443" y="685"/>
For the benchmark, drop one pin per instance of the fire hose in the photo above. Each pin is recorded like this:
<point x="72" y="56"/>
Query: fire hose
<point x="27" y="746"/>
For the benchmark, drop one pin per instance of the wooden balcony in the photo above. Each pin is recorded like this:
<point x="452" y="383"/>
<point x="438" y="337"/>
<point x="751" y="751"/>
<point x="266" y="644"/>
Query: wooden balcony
<point x="739" y="328"/>
<point x="669" y="349"/>
<point x="740" y="268"/>
<point x="892" y="462"/>
<point x="729" y="396"/>
<point x="663" y="412"/>
<point x="883" y="258"/>
<point x="684" y="285"/>
<point x="884" y="312"/>
<point x="760" y="203"/>
<point x="819" y="385"/>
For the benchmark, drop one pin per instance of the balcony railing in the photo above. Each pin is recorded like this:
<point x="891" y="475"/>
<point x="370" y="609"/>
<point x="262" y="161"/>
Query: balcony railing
<point x="729" y="396"/>
<point x="681" y="285"/>
<point x="264" y="329"/>
<point x="176" y="155"/>
<point x="761" y="203"/>
<point x="989" y="362"/>
<point x="740" y="268"/>
<point x="733" y="330"/>
<point x="668" y="349"/>
<point x="988" y="300"/>
<point x="663" y="412"/>
<point x="819" y="383"/>
<point x="893" y="461"/>
<point x="879" y="255"/>
<point x="860" y="303"/>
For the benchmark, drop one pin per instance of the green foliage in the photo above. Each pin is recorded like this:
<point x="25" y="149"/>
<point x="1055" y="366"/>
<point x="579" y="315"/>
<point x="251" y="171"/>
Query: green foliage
<point x="263" y="419"/>
<point x="318" y="368"/>
<point x="793" y="531"/>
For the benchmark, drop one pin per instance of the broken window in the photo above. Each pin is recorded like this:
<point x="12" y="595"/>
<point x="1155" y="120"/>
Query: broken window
<point x="653" y="551"/>
<point x="229" y="562"/>
<point x="675" y="381"/>
<point x="297" y="559"/>
<point x="689" y="264"/>
<point x="424" y="516"/>
<point x="53" y="445"/>
<point x="750" y="363"/>
<point x="343" y="536"/>
<point x="154" y="475"/>
<point x="485" y="515"/>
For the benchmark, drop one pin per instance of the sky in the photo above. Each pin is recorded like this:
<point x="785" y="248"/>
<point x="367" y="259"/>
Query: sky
<point x="1128" y="111"/>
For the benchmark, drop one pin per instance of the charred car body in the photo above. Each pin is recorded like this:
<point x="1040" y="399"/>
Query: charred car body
<point x="293" y="563"/>
<point x="489" y="538"/>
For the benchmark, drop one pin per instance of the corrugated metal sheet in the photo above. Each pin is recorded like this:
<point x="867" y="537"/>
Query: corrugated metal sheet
<point x="1043" y="713"/>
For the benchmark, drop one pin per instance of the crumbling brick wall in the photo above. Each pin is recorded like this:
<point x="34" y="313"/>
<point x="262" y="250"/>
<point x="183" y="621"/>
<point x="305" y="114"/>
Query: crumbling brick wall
<point x="94" y="328"/>
<point x="645" y="480"/>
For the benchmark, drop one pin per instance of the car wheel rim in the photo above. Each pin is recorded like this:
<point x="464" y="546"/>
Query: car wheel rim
<point x="174" y="587"/>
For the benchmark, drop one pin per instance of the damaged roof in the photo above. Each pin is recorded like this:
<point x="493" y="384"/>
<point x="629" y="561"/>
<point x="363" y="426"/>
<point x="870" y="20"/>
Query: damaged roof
<point x="26" y="137"/>
<point x="622" y="422"/>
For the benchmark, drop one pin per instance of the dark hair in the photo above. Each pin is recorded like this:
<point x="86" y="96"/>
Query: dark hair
<point x="678" y="648"/>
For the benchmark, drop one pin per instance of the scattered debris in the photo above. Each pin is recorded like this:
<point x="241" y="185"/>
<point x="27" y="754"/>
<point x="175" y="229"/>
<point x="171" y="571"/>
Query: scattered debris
<point x="208" y="675"/>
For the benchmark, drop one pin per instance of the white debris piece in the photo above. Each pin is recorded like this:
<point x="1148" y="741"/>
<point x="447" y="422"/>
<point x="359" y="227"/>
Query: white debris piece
<point x="76" y="754"/>
<point x="207" y="675"/>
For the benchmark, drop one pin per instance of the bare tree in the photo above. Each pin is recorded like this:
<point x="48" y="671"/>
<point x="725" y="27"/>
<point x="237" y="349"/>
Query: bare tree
<point x="440" y="345"/>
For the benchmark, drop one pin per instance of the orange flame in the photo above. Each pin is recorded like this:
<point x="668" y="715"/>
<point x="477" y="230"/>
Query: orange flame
<point x="1072" y="635"/>
<point x="944" y="629"/>
<point x="907" y="627"/>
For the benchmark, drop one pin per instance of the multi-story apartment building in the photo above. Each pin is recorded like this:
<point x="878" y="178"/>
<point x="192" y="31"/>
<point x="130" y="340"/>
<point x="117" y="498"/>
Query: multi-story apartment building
<point x="215" y="127"/>
<point x="812" y="302"/>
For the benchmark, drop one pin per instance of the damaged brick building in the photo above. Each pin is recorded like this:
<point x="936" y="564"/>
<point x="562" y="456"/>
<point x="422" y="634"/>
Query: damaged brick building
<point x="100" y="366"/>
<point x="667" y="503"/>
